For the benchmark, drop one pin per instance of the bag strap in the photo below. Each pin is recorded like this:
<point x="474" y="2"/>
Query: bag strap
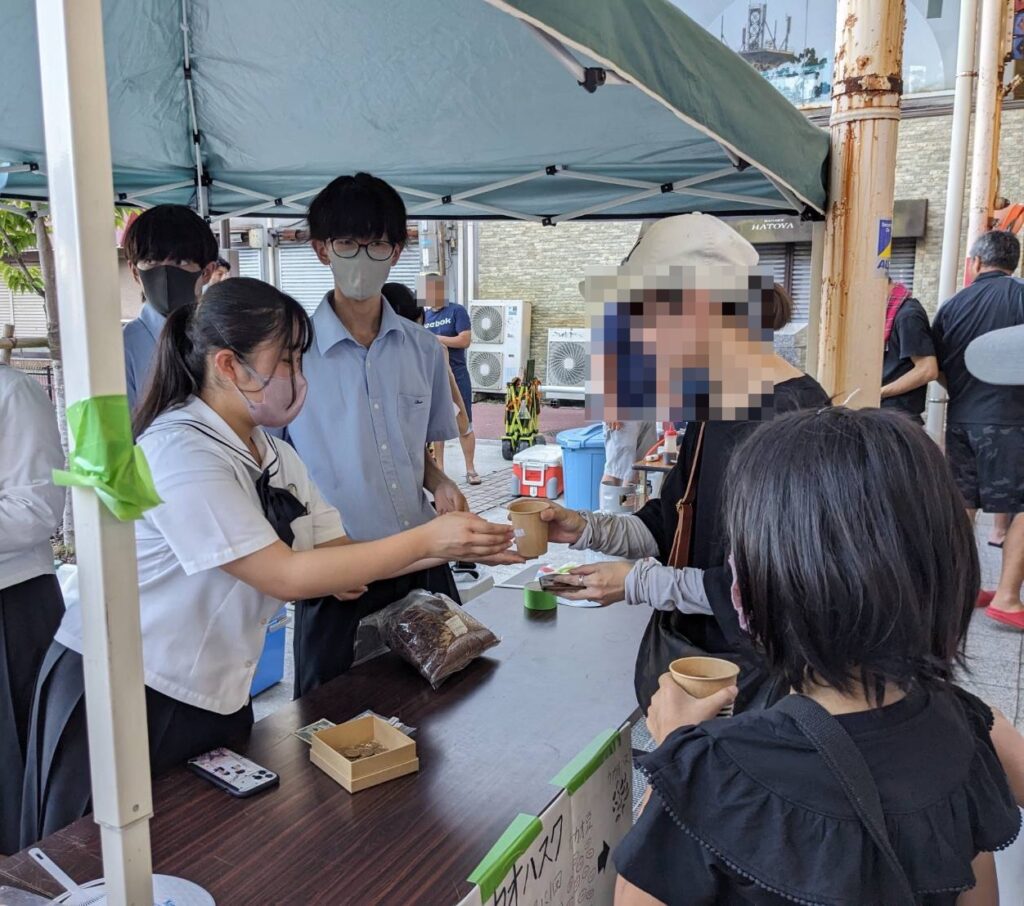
<point x="846" y="763"/>
<point x="679" y="556"/>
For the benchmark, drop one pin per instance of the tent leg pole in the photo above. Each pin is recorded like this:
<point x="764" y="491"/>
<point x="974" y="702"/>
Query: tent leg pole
<point x="953" y="222"/>
<point x="867" y="87"/>
<point x="78" y="155"/>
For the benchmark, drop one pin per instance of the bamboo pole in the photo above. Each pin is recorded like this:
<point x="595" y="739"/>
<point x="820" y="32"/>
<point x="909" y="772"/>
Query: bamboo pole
<point x="9" y="341"/>
<point x="866" y="88"/>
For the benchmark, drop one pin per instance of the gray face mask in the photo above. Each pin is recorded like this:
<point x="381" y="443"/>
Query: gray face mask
<point x="168" y="287"/>
<point x="360" y="277"/>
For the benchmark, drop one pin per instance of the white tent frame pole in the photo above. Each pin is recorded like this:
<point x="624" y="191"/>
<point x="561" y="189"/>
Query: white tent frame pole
<point x="75" y="114"/>
<point x="286" y="203"/>
<point x="562" y="54"/>
<point x="202" y="194"/>
<point x="966" y="61"/>
<point x="136" y="197"/>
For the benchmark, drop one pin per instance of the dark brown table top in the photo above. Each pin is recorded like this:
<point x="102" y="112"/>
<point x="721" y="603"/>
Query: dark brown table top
<point x="488" y="742"/>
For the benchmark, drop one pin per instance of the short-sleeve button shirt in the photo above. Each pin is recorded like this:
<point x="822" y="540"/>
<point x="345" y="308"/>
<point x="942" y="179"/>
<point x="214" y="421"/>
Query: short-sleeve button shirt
<point x="140" y="338"/>
<point x="202" y="629"/>
<point x="368" y="416"/>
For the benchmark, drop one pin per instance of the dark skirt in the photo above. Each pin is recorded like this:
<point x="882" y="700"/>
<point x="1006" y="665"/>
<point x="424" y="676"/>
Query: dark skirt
<point x="57" y="787"/>
<point x="30" y="613"/>
<point x="326" y="628"/>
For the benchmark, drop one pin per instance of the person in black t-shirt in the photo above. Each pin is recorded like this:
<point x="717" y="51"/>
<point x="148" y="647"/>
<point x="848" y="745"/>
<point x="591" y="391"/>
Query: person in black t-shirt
<point x="909" y="362"/>
<point x="985" y="423"/>
<point x="745" y="810"/>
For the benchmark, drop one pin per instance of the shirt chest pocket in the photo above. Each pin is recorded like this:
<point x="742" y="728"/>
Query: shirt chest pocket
<point x="303" y="530"/>
<point x="414" y="414"/>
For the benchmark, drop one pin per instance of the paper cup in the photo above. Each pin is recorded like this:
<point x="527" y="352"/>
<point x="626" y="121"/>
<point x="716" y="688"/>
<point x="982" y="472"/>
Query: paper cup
<point x="704" y="676"/>
<point x="530" y="532"/>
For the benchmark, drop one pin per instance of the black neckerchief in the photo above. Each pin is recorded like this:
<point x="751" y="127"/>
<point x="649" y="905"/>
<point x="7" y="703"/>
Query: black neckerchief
<point x="280" y="506"/>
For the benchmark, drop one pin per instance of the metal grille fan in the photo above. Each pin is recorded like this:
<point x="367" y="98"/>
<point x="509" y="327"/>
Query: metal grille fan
<point x="488" y="323"/>
<point x="485" y="369"/>
<point x="567" y="364"/>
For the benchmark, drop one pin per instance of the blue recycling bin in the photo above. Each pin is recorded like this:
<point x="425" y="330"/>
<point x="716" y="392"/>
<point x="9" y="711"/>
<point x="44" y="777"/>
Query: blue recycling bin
<point x="583" y="465"/>
<point x="270" y="667"/>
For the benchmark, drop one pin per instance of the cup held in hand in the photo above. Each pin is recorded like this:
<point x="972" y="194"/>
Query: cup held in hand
<point x="531" y="532"/>
<point x="704" y="676"/>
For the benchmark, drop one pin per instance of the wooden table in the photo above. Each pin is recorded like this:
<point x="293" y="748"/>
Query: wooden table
<point x="488" y="742"/>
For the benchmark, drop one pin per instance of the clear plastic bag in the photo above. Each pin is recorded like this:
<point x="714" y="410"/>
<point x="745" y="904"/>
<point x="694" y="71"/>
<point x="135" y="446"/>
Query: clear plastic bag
<point x="434" y="634"/>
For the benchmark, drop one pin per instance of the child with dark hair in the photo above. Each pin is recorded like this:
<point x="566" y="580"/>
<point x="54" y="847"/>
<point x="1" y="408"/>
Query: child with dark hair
<point x="172" y="253"/>
<point x="241" y="528"/>
<point x="860" y="604"/>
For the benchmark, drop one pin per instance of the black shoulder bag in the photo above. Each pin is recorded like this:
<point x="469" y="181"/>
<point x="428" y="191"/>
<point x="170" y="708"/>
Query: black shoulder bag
<point x="844" y="760"/>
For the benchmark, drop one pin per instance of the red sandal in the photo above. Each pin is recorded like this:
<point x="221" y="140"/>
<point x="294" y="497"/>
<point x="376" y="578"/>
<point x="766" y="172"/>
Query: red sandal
<point x="984" y="598"/>
<point x="1015" y="619"/>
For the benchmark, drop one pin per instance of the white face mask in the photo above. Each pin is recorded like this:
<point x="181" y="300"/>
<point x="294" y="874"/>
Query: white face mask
<point x="360" y="277"/>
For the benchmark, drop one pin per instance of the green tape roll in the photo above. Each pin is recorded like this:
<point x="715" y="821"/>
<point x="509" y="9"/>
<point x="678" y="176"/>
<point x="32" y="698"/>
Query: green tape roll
<point x="535" y="598"/>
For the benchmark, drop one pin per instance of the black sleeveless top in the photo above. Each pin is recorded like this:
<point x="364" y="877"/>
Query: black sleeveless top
<point x="720" y="439"/>
<point x="753" y="815"/>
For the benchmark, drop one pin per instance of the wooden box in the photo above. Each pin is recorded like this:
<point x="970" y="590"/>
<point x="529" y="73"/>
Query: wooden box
<point x="398" y="760"/>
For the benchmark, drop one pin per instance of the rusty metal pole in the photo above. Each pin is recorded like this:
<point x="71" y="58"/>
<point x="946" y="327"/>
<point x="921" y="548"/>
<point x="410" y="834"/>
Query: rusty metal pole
<point x="867" y="85"/>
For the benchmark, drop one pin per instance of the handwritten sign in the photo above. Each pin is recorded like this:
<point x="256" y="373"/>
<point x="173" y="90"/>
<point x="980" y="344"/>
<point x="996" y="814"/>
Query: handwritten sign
<point x="600" y="787"/>
<point x="531" y="864"/>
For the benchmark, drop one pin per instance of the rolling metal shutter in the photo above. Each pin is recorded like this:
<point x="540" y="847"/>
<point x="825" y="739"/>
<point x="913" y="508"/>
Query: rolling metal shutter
<point x="800" y="282"/>
<point x="773" y="256"/>
<point x="250" y="263"/>
<point x="901" y="264"/>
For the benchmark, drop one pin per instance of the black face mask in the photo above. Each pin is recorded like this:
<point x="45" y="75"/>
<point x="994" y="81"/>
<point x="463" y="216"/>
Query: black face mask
<point x="168" y="287"/>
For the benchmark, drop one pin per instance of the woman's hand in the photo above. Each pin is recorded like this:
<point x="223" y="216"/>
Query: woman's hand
<point x="673" y="707"/>
<point x="564" y="526"/>
<point x="464" y="536"/>
<point x="604" y="583"/>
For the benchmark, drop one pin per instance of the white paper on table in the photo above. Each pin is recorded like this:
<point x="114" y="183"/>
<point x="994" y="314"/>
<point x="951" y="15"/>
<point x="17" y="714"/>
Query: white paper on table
<point x="473" y="899"/>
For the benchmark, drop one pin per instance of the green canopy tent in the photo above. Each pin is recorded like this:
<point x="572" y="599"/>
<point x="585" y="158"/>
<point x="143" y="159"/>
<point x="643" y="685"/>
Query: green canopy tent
<point x="543" y="110"/>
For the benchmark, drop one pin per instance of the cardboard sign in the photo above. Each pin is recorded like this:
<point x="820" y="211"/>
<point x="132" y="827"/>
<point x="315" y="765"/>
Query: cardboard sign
<point x="599" y="783"/>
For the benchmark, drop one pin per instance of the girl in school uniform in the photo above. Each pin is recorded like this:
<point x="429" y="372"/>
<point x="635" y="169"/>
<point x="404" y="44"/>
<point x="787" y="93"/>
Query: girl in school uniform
<point x="241" y="529"/>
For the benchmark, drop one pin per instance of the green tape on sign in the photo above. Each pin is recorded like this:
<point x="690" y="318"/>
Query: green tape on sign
<point x="104" y="457"/>
<point x="499" y="861"/>
<point x="580" y="769"/>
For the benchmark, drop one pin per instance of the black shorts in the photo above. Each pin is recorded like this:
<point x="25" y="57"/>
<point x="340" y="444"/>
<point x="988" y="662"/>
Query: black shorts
<point x="988" y="465"/>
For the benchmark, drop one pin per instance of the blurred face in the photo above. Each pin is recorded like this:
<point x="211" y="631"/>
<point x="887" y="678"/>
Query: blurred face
<point x="434" y="291"/>
<point x="221" y="273"/>
<point x="678" y="343"/>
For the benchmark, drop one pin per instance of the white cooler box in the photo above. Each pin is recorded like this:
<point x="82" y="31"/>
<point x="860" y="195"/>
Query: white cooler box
<point x="537" y="472"/>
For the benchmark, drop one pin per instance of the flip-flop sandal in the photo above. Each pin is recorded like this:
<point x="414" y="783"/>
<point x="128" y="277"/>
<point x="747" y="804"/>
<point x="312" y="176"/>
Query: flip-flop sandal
<point x="998" y="544"/>
<point x="473" y="478"/>
<point x="1016" y="620"/>
<point x="984" y="599"/>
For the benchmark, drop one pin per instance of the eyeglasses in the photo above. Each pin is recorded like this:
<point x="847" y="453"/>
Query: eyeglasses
<point x="378" y="250"/>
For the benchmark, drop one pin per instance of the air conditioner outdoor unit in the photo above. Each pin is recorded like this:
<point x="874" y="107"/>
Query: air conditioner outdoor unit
<point x="500" y="343"/>
<point x="568" y="363"/>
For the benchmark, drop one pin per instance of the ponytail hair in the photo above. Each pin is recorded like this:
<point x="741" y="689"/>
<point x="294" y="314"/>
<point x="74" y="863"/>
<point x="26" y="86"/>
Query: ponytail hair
<point x="237" y="314"/>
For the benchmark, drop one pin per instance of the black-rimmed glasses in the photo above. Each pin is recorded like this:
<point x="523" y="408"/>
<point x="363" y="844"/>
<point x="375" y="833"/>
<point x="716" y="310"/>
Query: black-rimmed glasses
<point x="378" y="250"/>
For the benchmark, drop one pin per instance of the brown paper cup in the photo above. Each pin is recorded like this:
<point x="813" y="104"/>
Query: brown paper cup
<point x="703" y="676"/>
<point x="531" y="533"/>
